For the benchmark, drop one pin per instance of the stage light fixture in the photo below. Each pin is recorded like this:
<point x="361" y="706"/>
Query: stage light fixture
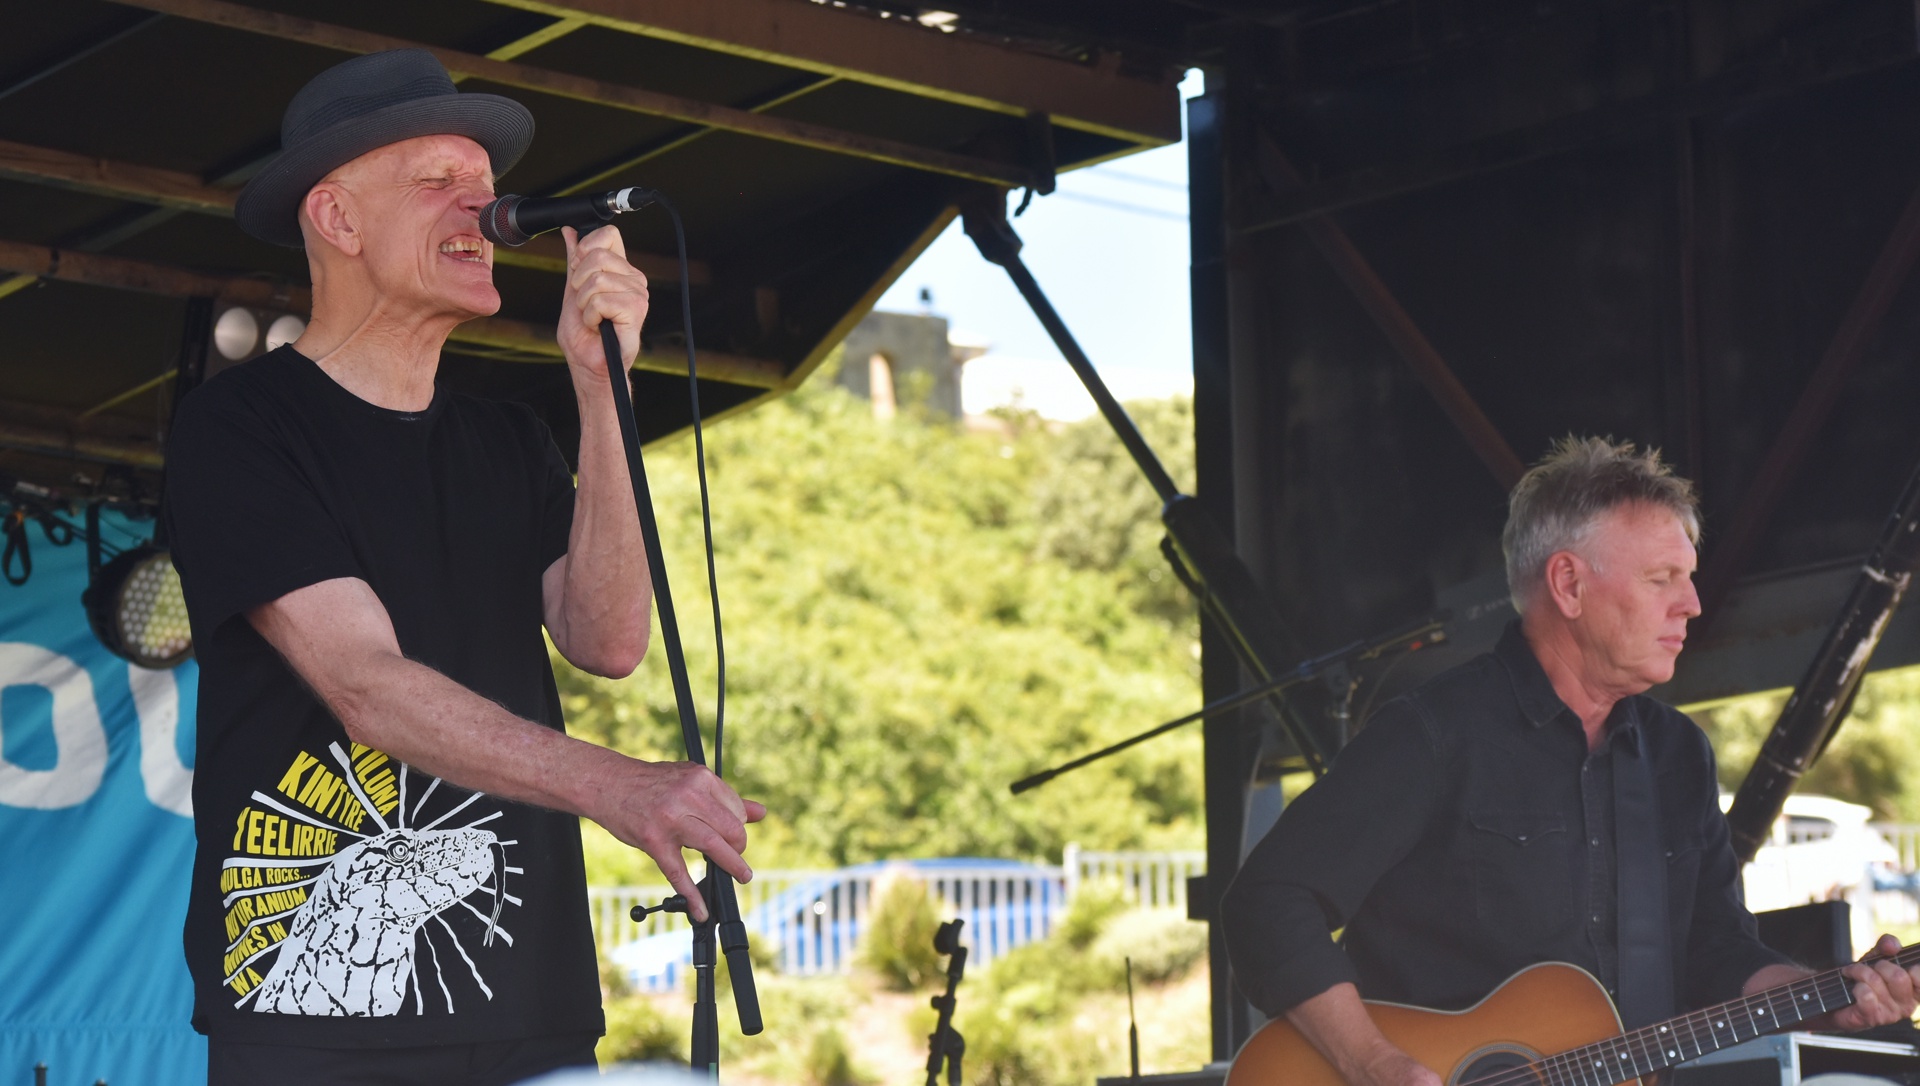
<point x="284" y="330"/>
<point x="236" y="333"/>
<point x="137" y="610"/>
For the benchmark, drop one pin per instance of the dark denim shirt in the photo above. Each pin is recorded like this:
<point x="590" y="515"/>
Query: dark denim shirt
<point x="1466" y="833"/>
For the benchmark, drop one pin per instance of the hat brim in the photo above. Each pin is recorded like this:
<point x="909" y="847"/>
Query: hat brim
<point x="269" y="207"/>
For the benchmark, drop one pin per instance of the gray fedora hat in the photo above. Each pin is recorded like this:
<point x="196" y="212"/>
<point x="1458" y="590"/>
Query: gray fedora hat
<point x="364" y="103"/>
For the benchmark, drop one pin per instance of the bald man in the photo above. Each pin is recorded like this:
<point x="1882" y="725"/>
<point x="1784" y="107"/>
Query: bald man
<point x="389" y="883"/>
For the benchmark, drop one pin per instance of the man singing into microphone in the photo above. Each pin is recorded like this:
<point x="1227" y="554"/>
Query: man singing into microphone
<point x="389" y="884"/>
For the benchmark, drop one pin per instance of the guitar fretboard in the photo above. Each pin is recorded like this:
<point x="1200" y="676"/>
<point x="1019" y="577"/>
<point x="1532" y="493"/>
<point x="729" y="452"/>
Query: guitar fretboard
<point x="1689" y="1036"/>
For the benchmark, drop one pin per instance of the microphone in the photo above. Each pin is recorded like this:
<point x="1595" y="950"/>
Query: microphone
<point x="516" y="220"/>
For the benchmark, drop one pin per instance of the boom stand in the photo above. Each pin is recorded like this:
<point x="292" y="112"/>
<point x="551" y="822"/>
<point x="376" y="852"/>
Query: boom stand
<point x="1334" y="669"/>
<point x="723" y="922"/>
<point x="1200" y="553"/>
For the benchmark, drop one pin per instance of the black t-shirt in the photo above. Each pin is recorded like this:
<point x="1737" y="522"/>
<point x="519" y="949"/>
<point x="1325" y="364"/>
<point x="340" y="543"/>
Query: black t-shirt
<point x="339" y="897"/>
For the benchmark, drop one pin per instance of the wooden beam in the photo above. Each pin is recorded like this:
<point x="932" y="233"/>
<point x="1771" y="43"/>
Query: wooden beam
<point x="72" y="444"/>
<point x="548" y="253"/>
<point x="901" y="55"/>
<point x="580" y="88"/>
<point x="521" y="338"/>
<point x="185" y="192"/>
<point x="600" y="175"/>
<point x="1374" y="296"/>
<point x="546" y="35"/>
<point x="518" y="340"/>
<point x="1727" y="559"/>
<point x="105" y="177"/>
<point x="121" y="273"/>
<point x="1616" y="122"/>
<point x="61" y="433"/>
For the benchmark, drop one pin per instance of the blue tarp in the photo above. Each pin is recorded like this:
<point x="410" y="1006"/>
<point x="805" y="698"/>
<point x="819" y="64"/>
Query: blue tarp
<point x="96" y="842"/>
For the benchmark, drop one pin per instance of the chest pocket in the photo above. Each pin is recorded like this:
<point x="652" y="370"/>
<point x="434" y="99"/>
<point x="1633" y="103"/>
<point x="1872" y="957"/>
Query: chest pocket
<point x="1522" y="875"/>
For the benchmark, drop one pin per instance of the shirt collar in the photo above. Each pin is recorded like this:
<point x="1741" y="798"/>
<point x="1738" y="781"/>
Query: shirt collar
<point x="1534" y="692"/>
<point x="1531" y="687"/>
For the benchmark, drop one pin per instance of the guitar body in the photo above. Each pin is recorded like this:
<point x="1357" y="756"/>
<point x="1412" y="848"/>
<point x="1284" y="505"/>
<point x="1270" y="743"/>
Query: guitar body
<point x="1539" y="1011"/>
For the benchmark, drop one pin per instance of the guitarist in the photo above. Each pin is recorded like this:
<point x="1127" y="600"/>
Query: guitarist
<point x="1530" y="805"/>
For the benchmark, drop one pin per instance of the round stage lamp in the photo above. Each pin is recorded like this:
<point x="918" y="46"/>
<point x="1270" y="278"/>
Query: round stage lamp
<point x="136" y="609"/>
<point x="284" y="330"/>
<point x="235" y="333"/>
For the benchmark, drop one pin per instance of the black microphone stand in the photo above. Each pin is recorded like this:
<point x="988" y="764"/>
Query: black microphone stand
<point x="723" y="905"/>
<point x="723" y="924"/>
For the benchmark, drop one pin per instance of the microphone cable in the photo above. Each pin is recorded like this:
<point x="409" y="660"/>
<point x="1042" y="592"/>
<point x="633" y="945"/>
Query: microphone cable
<point x="700" y="468"/>
<point x="500" y="222"/>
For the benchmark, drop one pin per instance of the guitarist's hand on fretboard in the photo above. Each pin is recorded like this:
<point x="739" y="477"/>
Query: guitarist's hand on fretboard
<point x="1884" y="991"/>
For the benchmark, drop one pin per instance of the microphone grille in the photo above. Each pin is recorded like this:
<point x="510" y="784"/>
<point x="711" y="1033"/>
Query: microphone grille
<point x="496" y="222"/>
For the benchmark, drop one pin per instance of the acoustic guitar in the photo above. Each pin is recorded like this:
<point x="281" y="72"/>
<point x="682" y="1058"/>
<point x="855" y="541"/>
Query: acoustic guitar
<point x="1548" y="1025"/>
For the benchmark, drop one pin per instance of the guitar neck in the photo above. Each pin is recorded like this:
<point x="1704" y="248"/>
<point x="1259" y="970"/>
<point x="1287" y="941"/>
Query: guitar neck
<point x="1690" y="1036"/>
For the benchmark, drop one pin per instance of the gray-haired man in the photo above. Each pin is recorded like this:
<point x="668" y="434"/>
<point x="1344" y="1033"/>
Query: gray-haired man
<point x="1526" y="806"/>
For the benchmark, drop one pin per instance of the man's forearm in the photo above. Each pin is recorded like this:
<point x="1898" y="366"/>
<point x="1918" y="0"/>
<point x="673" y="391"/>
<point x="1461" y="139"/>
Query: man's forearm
<point x="601" y="621"/>
<point x="417" y="715"/>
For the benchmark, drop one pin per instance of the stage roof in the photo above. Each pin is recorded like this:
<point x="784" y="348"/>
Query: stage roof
<point x="814" y="149"/>
<point x="1429" y="237"/>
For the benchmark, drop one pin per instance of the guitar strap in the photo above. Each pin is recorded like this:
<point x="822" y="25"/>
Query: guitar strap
<point x="1640" y="887"/>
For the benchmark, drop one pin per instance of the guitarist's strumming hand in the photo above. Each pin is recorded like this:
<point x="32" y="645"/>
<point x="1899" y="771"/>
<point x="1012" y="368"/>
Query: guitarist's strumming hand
<point x="1337" y="1024"/>
<point x="1392" y="1067"/>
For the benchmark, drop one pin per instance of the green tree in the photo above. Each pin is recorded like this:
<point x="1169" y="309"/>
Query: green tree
<point x="1096" y="511"/>
<point x="917" y="616"/>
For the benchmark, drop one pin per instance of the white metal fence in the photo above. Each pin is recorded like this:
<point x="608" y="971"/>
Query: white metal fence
<point x="1151" y="879"/>
<point x="814" y="920"/>
<point x="1905" y="838"/>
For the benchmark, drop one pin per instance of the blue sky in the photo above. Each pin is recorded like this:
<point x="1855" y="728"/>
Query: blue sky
<point x="1110" y="249"/>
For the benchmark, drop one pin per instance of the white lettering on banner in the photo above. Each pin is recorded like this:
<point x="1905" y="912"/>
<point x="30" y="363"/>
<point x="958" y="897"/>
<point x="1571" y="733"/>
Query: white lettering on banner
<point x="156" y="701"/>
<point x="79" y="741"/>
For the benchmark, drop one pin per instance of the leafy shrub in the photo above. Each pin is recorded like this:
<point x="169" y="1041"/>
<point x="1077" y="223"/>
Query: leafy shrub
<point x="1163" y="944"/>
<point x="1095" y="904"/>
<point x="639" y="1030"/>
<point x="900" y="929"/>
<point x="828" y="1061"/>
<point x="791" y="1050"/>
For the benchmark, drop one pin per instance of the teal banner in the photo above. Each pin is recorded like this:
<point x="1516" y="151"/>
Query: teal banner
<point x="96" y="841"/>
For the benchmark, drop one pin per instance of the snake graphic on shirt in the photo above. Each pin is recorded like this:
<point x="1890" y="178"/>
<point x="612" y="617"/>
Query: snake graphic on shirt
<point x="338" y="879"/>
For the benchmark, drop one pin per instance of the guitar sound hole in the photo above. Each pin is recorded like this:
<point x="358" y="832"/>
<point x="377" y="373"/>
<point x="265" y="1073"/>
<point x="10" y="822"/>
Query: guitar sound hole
<point x="1484" y="1065"/>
